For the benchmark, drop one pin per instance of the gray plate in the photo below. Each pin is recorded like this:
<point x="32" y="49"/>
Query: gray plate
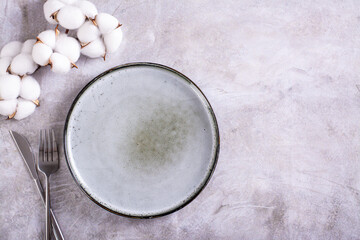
<point x="141" y="140"/>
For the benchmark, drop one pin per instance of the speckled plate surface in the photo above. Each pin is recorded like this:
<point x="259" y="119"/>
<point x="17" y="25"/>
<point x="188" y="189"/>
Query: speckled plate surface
<point x="141" y="140"/>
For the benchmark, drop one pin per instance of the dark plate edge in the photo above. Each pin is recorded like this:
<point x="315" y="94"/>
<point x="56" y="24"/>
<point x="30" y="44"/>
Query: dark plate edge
<point x="217" y="139"/>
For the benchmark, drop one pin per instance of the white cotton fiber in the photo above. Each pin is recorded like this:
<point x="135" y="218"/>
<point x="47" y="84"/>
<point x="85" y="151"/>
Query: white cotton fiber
<point x="60" y="63"/>
<point x="88" y="32"/>
<point x="24" y="109"/>
<point x="113" y="40"/>
<point x="68" y="47"/>
<point x="69" y="2"/>
<point x="87" y="8"/>
<point x="8" y="107"/>
<point x="9" y="86"/>
<point x="50" y="7"/>
<point x="23" y="64"/>
<point x="41" y="54"/>
<point x="30" y="88"/>
<point x="4" y="65"/>
<point x="11" y="49"/>
<point x="48" y="37"/>
<point x="70" y="17"/>
<point x="28" y="46"/>
<point x="106" y="22"/>
<point x="94" y="49"/>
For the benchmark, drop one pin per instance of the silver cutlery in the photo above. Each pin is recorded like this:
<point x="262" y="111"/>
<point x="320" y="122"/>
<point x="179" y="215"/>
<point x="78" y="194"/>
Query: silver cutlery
<point x="48" y="163"/>
<point x="27" y="155"/>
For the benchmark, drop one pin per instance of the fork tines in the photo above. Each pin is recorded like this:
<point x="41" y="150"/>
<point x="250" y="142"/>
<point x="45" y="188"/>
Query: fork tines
<point x="48" y="148"/>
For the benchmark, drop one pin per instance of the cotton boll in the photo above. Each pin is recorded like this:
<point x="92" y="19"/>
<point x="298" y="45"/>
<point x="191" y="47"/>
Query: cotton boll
<point x="94" y="49"/>
<point x="23" y="64"/>
<point x="50" y="7"/>
<point x="8" y="107"/>
<point x="30" y="88"/>
<point x="60" y="63"/>
<point x="48" y="37"/>
<point x="56" y="49"/>
<point x="41" y="54"/>
<point x="28" y="46"/>
<point x="68" y="47"/>
<point x="70" y="17"/>
<point x="9" y="86"/>
<point x="88" y="32"/>
<point x="113" y="40"/>
<point x="87" y="8"/>
<point x="11" y="49"/>
<point x="24" y="109"/>
<point x="4" y="65"/>
<point x="106" y="22"/>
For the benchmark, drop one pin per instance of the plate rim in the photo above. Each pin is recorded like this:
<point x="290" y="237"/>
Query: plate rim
<point x="209" y="172"/>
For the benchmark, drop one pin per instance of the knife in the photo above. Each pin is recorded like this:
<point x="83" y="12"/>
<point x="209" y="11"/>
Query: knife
<point x="27" y="155"/>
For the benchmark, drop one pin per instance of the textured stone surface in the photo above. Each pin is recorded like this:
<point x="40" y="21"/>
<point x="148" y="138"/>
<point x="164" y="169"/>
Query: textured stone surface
<point x="281" y="77"/>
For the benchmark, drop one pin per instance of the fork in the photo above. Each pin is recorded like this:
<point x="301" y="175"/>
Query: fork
<point x="48" y="163"/>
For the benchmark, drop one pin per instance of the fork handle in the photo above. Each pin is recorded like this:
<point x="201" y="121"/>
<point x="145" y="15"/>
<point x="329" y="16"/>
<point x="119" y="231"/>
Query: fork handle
<point x="47" y="216"/>
<point x="56" y="228"/>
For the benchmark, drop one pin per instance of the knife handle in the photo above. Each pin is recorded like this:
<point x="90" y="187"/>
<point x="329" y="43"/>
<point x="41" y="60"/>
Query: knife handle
<point x="55" y="225"/>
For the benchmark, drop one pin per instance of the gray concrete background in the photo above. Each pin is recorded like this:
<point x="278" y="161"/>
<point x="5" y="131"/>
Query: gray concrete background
<point x="281" y="76"/>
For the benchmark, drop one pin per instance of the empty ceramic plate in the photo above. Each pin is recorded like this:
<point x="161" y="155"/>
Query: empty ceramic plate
<point x="141" y="140"/>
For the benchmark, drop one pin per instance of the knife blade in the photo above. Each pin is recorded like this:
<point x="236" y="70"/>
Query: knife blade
<point x="24" y="148"/>
<point x="26" y="153"/>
